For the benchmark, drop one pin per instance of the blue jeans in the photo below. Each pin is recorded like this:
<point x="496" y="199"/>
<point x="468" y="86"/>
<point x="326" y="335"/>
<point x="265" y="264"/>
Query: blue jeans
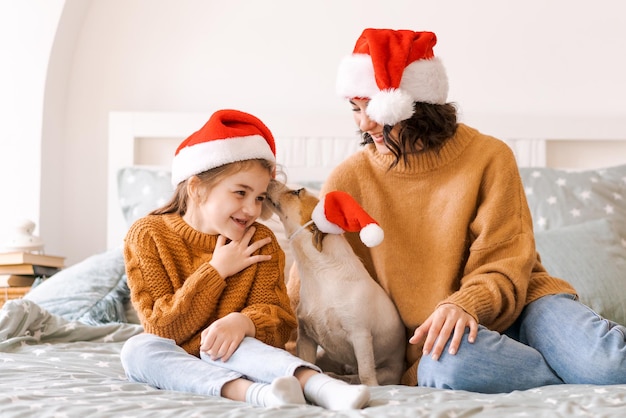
<point x="160" y="363"/>
<point x="555" y="340"/>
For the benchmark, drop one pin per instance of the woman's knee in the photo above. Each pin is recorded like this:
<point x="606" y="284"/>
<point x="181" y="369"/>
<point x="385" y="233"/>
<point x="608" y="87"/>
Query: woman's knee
<point x="604" y="362"/>
<point x="489" y="365"/>
<point x="440" y="374"/>
<point x="449" y="371"/>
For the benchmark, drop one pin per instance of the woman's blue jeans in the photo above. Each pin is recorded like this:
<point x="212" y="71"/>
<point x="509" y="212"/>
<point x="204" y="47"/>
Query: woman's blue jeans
<point x="555" y="340"/>
<point x="159" y="362"/>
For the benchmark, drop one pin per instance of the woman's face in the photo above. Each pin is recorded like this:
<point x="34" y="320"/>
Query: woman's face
<point x="367" y="125"/>
<point x="230" y="206"/>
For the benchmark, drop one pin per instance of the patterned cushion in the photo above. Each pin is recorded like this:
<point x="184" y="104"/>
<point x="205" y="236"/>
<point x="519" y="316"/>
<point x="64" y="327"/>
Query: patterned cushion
<point x="580" y="229"/>
<point x="141" y="190"/>
<point x="592" y="257"/>
<point x="93" y="291"/>
<point x="558" y="198"/>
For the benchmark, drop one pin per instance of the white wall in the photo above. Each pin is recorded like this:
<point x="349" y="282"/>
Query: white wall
<point x="26" y="35"/>
<point x="277" y="59"/>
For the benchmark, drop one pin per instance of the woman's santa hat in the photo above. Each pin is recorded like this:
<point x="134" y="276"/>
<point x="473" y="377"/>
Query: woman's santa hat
<point x="394" y="69"/>
<point x="338" y="212"/>
<point x="228" y="136"/>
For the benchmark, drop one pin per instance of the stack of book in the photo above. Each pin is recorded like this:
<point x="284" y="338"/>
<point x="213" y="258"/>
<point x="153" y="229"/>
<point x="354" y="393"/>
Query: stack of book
<point x="19" y="269"/>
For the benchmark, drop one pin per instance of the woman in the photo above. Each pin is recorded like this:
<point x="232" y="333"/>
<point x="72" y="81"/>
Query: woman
<point x="459" y="258"/>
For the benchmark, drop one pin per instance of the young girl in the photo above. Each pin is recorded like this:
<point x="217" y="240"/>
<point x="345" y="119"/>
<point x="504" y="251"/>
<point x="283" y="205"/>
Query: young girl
<point x="459" y="258"/>
<point x="207" y="280"/>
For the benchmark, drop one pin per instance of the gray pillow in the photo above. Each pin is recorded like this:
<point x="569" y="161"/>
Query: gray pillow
<point x="93" y="291"/>
<point x="592" y="257"/>
<point x="141" y="190"/>
<point x="559" y="198"/>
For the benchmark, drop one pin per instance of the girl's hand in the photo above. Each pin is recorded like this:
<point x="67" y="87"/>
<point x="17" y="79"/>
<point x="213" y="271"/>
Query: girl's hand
<point x="447" y="321"/>
<point x="222" y="337"/>
<point x="231" y="258"/>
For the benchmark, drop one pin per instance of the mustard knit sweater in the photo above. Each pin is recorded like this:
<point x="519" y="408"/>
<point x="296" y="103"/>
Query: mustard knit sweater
<point x="457" y="230"/>
<point x="177" y="294"/>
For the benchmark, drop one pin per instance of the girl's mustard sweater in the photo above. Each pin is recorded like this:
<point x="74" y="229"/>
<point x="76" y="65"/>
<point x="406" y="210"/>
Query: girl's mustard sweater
<point x="177" y="294"/>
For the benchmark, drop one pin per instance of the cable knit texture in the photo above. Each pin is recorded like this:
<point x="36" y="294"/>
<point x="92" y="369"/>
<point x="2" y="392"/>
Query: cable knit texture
<point x="457" y="230"/>
<point x="177" y="293"/>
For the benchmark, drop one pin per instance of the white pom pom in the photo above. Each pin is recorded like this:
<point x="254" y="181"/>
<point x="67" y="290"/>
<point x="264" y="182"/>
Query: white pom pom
<point x="372" y="235"/>
<point x="389" y="107"/>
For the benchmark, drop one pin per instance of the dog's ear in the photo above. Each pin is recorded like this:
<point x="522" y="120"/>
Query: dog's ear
<point x="317" y="238"/>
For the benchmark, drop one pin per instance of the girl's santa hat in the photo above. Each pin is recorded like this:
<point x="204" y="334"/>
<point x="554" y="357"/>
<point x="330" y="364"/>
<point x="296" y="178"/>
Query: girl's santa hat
<point x="394" y="69"/>
<point x="228" y="136"/>
<point x="338" y="212"/>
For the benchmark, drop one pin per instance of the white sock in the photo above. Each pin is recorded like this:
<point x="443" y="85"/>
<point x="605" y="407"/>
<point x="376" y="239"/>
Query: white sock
<point x="282" y="391"/>
<point x="323" y="390"/>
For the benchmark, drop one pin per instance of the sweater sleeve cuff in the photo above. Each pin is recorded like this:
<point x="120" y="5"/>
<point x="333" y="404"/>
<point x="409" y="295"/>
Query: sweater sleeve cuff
<point x="477" y="304"/>
<point x="265" y="325"/>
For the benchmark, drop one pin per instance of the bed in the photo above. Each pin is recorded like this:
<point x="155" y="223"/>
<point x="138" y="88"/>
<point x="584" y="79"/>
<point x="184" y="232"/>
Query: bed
<point x="60" y="344"/>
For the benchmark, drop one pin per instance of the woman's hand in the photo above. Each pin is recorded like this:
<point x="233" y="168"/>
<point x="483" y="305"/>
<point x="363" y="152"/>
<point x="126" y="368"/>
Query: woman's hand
<point x="448" y="321"/>
<point x="231" y="258"/>
<point x="220" y="339"/>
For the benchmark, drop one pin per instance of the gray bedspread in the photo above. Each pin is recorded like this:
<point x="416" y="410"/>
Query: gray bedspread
<point x="51" y="367"/>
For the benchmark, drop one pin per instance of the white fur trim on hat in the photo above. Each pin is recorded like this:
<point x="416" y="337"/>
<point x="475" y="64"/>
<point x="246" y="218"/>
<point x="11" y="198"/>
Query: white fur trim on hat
<point x="426" y="81"/>
<point x="423" y="80"/>
<point x="204" y="156"/>
<point x="355" y="77"/>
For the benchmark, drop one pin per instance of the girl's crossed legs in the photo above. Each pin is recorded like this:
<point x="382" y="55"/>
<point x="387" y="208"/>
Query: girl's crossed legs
<point x="257" y="373"/>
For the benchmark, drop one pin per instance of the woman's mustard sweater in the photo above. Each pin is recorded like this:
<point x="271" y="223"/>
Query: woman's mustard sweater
<point x="457" y="230"/>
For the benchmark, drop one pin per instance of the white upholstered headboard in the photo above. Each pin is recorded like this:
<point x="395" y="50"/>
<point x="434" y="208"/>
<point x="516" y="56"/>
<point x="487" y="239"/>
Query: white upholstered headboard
<point x="150" y="138"/>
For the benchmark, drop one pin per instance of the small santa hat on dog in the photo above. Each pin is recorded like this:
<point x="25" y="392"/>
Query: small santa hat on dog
<point x="228" y="136"/>
<point x="394" y="69"/>
<point x="338" y="212"/>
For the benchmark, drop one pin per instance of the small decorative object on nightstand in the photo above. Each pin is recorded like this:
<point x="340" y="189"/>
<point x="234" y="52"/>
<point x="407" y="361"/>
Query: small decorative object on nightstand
<point x="23" y="263"/>
<point x="23" y="238"/>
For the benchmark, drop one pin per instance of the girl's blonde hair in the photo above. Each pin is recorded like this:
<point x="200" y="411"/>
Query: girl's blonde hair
<point x="208" y="179"/>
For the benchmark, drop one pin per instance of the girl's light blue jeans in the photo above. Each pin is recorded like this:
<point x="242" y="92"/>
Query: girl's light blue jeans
<point x="555" y="340"/>
<point x="160" y="363"/>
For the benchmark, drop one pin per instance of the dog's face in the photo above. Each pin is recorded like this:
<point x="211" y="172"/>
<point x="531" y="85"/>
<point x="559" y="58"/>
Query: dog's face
<point x="294" y="208"/>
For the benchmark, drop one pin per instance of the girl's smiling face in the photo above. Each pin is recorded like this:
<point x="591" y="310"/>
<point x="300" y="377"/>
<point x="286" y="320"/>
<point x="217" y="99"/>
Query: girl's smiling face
<point x="230" y="206"/>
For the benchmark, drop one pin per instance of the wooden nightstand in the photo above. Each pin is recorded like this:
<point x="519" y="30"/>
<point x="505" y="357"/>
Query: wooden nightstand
<point x="8" y="293"/>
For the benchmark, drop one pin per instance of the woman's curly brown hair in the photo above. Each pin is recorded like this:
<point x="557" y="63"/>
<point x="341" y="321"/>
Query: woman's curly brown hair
<point x="428" y="129"/>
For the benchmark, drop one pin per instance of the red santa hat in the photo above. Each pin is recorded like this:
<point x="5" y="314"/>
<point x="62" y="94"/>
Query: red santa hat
<point x="394" y="69"/>
<point x="228" y="136"/>
<point x="338" y="212"/>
